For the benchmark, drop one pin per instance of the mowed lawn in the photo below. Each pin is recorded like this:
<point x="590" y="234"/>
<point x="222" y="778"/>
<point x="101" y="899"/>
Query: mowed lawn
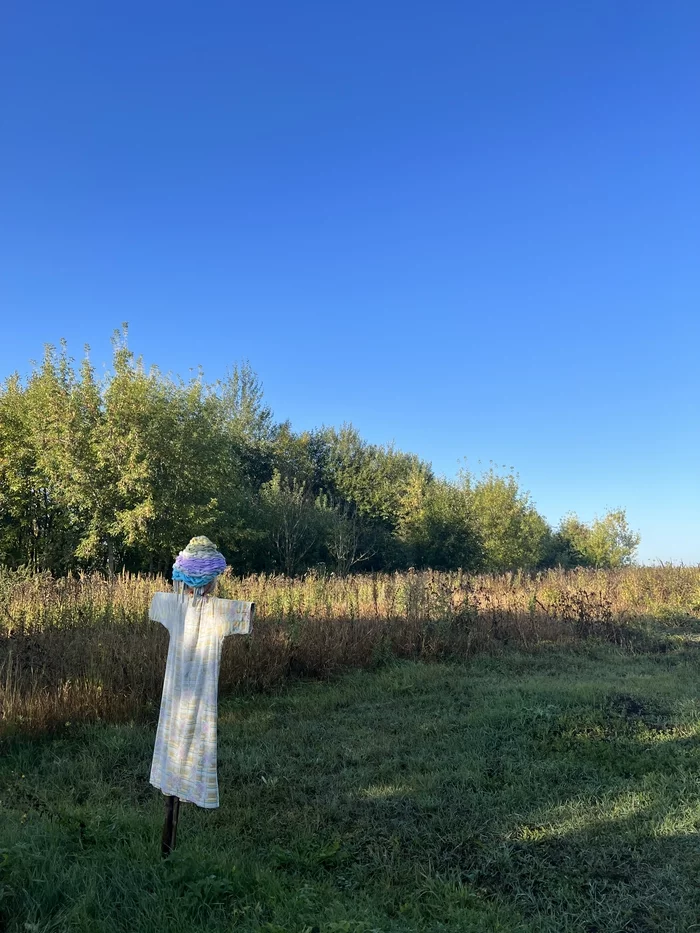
<point x="550" y="792"/>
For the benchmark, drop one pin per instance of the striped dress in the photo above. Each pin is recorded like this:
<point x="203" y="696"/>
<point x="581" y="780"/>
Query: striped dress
<point x="184" y="757"/>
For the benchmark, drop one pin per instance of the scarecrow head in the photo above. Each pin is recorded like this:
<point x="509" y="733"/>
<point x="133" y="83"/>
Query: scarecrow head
<point x="198" y="567"/>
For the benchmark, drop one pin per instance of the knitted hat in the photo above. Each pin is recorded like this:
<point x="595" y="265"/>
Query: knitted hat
<point x="199" y="563"/>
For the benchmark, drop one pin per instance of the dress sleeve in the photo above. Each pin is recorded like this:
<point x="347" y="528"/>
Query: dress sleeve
<point x="235" y="617"/>
<point x="161" y="609"/>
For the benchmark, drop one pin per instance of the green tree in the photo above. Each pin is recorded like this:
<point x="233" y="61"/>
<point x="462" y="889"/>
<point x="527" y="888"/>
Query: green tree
<point x="32" y="425"/>
<point x="438" y="525"/>
<point x="121" y="471"/>
<point x="568" y="545"/>
<point x="612" y="542"/>
<point x="372" y="480"/>
<point x="349" y="541"/>
<point x="606" y="542"/>
<point x="298" y="524"/>
<point x="25" y="505"/>
<point x="513" y="534"/>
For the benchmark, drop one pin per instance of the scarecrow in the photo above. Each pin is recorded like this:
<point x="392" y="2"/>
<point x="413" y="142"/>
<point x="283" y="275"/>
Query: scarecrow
<point x="184" y="757"/>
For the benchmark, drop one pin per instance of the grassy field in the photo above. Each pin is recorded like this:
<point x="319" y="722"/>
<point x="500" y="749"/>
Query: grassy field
<point x="551" y="791"/>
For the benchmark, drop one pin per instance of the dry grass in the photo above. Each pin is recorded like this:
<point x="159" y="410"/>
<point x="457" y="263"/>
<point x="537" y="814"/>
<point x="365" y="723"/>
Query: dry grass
<point x="81" y="648"/>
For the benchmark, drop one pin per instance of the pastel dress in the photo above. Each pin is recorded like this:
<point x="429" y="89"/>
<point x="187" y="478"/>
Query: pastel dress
<point x="184" y="757"/>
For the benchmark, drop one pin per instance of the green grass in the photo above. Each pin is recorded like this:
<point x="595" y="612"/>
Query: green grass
<point x="550" y="792"/>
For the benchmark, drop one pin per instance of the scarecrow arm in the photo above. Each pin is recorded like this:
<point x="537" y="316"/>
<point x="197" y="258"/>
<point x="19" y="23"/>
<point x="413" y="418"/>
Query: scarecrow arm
<point x="235" y="616"/>
<point x="163" y="608"/>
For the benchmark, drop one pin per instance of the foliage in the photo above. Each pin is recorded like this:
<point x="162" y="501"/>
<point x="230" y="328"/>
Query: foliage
<point x="607" y="542"/>
<point x="118" y="473"/>
<point x="297" y="522"/>
<point x="513" y="534"/>
<point x="439" y="525"/>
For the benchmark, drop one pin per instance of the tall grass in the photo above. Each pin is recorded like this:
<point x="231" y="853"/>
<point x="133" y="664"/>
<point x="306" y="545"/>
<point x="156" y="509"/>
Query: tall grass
<point x="82" y="647"/>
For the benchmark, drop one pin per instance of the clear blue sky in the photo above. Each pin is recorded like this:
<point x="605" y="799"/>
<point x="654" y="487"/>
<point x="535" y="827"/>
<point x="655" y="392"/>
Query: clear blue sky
<point x="470" y="228"/>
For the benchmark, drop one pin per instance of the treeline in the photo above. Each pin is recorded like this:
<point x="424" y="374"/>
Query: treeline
<point x="119" y="472"/>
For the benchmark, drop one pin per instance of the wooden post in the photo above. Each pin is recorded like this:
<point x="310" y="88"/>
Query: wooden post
<point x="172" y="809"/>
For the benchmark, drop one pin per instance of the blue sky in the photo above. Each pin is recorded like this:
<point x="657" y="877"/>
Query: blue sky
<point x="469" y="228"/>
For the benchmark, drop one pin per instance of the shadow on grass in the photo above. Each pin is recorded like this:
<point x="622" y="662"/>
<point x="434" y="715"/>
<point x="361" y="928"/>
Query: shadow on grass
<point x="578" y="816"/>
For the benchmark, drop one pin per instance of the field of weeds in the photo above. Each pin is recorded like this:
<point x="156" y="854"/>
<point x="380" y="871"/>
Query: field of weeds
<point x="82" y="648"/>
